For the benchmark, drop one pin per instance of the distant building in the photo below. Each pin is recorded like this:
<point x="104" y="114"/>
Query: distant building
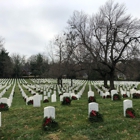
<point x="85" y="76"/>
<point x="121" y="76"/>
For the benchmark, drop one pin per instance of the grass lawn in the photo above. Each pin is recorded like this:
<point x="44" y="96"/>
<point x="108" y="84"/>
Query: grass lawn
<point x="23" y="122"/>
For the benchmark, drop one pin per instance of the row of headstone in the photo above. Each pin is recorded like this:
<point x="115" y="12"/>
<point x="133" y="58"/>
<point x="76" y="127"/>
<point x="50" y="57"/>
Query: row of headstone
<point x="126" y="104"/>
<point x="50" y="110"/>
<point x="4" y="90"/>
<point x="8" y="100"/>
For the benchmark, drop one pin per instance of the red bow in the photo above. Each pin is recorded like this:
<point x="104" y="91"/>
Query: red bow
<point x="47" y="121"/>
<point x="93" y="113"/>
<point x="2" y="106"/>
<point x="130" y="114"/>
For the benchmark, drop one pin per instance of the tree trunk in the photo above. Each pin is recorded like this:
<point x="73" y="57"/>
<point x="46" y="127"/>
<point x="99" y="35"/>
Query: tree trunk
<point x="59" y="82"/>
<point x="112" y="80"/>
<point x="105" y="81"/>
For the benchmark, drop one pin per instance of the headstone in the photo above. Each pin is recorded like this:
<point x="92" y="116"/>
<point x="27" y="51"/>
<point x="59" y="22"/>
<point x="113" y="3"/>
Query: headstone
<point x="66" y="95"/>
<point x="113" y="92"/>
<point x="53" y="98"/>
<point x="4" y="100"/>
<point x="36" y="101"/>
<point x="49" y="112"/>
<point x="28" y="99"/>
<point x="41" y="97"/>
<point x="107" y="93"/>
<point x="128" y="93"/>
<point x="49" y="94"/>
<point x="90" y="93"/>
<point x="45" y="97"/>
<point x="44" y="92"/>
<point x="126" y="104"/>
<point x="92" y="106"/>
<point x="101" y="93"/>
<point x="61" y="98"/>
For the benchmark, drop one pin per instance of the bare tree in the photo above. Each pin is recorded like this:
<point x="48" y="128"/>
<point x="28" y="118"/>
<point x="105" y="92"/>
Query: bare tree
<point x="82" y="25"/>
<point x="110" y="36"/>
<point x="117" y="34"/>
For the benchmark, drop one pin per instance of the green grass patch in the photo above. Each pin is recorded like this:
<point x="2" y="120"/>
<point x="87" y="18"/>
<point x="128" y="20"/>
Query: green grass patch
<point x="23" y="122"/>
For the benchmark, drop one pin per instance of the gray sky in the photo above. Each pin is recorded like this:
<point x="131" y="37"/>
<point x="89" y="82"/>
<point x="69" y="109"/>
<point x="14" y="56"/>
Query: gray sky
<point x="28" y="25"/>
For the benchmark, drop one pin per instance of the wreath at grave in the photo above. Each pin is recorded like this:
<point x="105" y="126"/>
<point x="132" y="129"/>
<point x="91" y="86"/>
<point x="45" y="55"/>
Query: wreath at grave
<point x="91" y="99"/>
<point x="46" y="101"/>
<point x="95" y="116"/>
<point x="30" y="102"/>
<point x="116" y="97"/>
<point x="49" y="124"/>
<point x="74" y="98"/>
<point x="136" y="95"/>
<point x="130" y="113"/>
<point x="4" y="107"/>
<point x="125" y="96"/>
<point x="66" y="101"/>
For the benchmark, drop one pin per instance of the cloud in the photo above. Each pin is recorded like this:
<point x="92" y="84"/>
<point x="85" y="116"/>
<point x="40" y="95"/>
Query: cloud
<point x="28" y="25"/>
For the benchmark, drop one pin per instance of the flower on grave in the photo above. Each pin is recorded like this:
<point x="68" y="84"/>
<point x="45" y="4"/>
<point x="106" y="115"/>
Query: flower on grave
<point x="46" y="101"/>
<point x="125" y="96"/>
<point x="66" y="101"/>
<point x="130" y="113"/>
<point x="49" y="124"/>
<point x="136" y="95"/>
<point x="4" y="107"/>
<point x="91" y="99"/>
<point x="116" y="97"/>
<point x="74" y="98"/>
<point x="30" y="102"/>
<point x="95" y="116"/>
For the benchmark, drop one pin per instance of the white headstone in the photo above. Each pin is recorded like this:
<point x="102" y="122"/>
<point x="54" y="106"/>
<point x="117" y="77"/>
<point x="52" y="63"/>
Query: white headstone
<point x="92" y="106"/>
<point x="53" y="98"/>
<point x="45" y="97"/>
<point x="66" y="95"/>
<point x="4" y="100"/>
<point x="90" y="93"/>
<point x="49" y="112"/>
<point x="41" y="97"/>
<point x="126" y="104"/>
<point x="61" y="98"/>
<point x="128" y="93"/>
<point x="28" y="99"/>
<point x="113" y="92"/>
<point x="49" y="94"/>
<point x="44" y="92"/>
<point x="101" y="93"/>
<point x="36" y="101"/>
<point x="107" y="93"/>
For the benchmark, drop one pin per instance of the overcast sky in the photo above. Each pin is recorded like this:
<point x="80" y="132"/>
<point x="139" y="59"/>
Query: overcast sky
<point x="28" y="25"/>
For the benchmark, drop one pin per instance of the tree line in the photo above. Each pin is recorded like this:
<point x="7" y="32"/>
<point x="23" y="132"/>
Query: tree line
<point x="101" y="46"/>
